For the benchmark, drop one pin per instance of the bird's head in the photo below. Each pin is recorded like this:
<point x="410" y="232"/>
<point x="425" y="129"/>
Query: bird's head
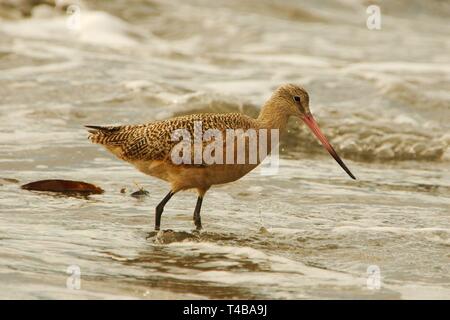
<point x="293" y="100"/>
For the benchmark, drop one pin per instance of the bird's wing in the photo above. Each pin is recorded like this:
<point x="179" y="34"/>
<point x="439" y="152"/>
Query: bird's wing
<point x="130" y="142"/>
<point x="155" y="141"/>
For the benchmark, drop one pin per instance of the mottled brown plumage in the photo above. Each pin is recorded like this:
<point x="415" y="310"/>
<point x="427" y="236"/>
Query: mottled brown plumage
<point x="148" y="146"/>
<point x="153" y="141"/>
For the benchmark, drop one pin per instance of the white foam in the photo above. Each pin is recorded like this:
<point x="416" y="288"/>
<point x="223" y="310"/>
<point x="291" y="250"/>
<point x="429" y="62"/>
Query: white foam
<point x="282" y="270"/>
<point x="397" y="230"/>
<point x="95" y="27"/>
<point x="399" y="66"/>
<point x="99" y="27"/>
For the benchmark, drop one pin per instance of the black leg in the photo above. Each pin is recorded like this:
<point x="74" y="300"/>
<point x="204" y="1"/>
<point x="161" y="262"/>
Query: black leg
<point x="160" y="208"/>
<point x="197" y="218"/>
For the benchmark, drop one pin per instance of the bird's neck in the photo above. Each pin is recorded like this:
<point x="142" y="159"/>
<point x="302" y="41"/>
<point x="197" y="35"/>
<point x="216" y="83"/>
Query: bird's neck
<point x="272" y="117"/>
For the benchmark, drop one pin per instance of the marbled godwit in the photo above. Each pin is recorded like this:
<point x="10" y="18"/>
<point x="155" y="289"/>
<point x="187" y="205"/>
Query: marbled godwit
<point x="148" y="146"/>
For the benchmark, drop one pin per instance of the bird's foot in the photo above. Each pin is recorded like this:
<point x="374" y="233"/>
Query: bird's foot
<point x="158" y="233"/>
<point x="170" y="236"/>
<point x="198" y="225"/>
<point x="151" y="234"/>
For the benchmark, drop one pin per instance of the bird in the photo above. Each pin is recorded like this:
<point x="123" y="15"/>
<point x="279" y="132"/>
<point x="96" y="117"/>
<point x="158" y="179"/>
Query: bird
<point x="150" y="147"/>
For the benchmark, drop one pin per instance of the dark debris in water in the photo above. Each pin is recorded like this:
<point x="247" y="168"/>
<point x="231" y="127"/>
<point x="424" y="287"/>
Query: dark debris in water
<point x="67" y="187"/>
<point x="140" y="193"/>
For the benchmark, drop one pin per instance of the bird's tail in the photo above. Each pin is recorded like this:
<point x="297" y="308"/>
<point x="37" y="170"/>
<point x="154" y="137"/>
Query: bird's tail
<point x="108" y="135"/>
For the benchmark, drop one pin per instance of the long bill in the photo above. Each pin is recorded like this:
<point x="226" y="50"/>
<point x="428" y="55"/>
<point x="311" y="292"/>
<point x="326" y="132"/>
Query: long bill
<point x="312" y="124"/>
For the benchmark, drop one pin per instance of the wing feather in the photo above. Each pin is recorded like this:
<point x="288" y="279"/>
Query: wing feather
<point x="153" y="141"/>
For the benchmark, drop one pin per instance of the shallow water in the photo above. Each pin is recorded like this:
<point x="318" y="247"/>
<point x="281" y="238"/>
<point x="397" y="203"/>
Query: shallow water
<point x="308" y="232"/>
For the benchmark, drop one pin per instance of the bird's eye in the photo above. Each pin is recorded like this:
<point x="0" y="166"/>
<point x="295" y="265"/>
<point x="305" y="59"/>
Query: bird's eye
<point x="297" y="98"/>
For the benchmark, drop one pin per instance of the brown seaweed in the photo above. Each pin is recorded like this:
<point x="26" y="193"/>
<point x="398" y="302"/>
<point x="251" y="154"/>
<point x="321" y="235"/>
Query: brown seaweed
<point x="63" y="186"/>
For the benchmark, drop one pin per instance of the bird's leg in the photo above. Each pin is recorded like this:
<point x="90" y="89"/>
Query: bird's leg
<point x="197" y="218"/>
<point x="160" y="208"/>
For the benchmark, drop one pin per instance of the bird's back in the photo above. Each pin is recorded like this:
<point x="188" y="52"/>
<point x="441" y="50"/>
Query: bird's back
<point x="153" y="141"/>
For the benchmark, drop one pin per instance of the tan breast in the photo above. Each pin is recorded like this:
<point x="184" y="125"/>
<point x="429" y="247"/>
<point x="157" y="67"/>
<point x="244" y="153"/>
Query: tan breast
<point x="183" y="177"/>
